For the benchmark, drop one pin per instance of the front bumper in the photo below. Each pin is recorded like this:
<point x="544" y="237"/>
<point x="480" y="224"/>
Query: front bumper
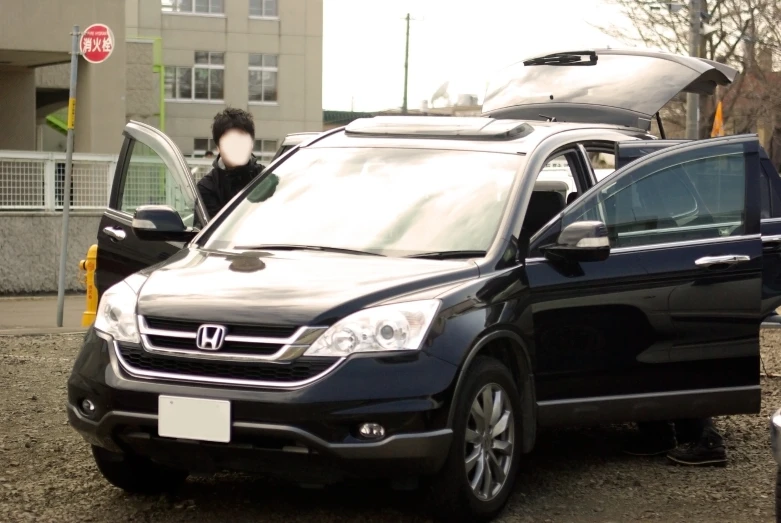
<point x="308" y="434"/>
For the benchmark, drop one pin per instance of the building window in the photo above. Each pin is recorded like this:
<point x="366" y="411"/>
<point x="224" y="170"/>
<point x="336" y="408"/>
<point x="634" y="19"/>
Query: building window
<point x="264" y="8"/>
<point x="263" y="78"/>
<point x="265" y="150"/>
<point x="201" y="7"/>
<point x="201" y="145"/>
<point x="204" y="81"/>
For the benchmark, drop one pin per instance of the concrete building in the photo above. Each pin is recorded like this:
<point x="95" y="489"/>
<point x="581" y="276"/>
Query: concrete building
<point x="176" y="63"/>
<point x="34" y="35"/>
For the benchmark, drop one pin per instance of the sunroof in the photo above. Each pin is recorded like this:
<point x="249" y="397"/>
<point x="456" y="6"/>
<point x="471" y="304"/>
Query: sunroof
<point x="468" y="128"/>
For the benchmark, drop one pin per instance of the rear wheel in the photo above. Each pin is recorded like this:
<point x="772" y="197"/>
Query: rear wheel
<point x="480" y="471"/>
<point x="136" y="474"/>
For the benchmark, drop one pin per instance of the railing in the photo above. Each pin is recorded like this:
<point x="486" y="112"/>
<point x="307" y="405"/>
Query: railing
<point x="34" y="181"/>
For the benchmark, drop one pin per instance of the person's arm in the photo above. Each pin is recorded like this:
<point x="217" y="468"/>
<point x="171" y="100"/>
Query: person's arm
<point x="209" y="196"/>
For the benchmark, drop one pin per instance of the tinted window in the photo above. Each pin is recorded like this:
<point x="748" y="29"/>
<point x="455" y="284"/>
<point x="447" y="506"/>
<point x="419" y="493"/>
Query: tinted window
<point x="383" y="200"/>
<point x="770" y="185"/>
<point x="672" y="200"/>
<point x="764" y="191"/>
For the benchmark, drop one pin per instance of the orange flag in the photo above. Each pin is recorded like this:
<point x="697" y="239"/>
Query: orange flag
<point x="718" y="123"/>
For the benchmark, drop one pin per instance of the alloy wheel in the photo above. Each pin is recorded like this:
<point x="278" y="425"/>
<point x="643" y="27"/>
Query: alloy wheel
<point x="489" y="445"/>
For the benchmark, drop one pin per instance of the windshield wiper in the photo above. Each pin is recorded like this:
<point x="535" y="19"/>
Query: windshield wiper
<point x="448" y="255"/>
<point x="284" y="247"/>
<point x="565" y="59"/>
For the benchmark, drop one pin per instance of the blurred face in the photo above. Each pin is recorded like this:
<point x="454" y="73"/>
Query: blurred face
<point x="235" y="148"/>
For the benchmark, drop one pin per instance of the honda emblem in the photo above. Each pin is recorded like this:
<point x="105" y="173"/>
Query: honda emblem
<point x="210" y="337"/>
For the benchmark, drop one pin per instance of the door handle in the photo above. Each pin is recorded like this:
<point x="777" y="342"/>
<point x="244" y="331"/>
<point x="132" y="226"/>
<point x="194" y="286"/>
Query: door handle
<point x="725" y="261"/>
<point x="115" y="233"/>
<point x="771" y="243"/>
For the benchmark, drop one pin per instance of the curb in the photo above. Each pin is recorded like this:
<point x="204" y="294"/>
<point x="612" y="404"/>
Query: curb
<point x="39" y="297"/>
<point x="41" y="332"/>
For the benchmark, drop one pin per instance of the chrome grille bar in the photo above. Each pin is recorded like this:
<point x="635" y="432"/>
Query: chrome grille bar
<point x="289" y="348"/>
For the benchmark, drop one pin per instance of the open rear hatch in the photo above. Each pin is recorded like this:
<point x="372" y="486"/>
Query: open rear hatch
<point x="609" y="86"/>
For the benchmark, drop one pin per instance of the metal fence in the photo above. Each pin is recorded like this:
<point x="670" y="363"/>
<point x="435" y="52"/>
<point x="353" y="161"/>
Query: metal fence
<point x="34" y="181"/>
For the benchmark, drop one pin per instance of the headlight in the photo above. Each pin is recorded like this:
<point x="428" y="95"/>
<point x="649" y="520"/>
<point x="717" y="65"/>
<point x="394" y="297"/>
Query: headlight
<point x="116" y="315"/>
<point x="397" y="327"/>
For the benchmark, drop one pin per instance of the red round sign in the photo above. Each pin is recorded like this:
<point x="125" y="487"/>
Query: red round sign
<point x="96" y="43"/>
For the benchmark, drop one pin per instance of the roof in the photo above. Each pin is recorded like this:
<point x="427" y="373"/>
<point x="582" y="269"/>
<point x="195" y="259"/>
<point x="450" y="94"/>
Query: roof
<point x="471" y="132"/>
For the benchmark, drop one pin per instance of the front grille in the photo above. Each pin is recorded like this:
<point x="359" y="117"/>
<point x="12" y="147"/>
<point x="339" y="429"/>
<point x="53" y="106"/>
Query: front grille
<point x="298" y="370"/>
<point x="233" y="347"/>
<point x="234" y="329"/>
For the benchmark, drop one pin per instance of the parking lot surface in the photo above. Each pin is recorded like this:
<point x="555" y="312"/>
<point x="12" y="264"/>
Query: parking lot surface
<point x="579" y="475"/>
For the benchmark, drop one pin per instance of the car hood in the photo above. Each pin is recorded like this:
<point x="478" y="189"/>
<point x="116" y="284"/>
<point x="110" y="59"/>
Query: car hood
<point x="295" y="288"/>
<point x="608" y="86"/>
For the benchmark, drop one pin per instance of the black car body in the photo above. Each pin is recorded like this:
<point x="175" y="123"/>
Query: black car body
<point x="638" y="298"/>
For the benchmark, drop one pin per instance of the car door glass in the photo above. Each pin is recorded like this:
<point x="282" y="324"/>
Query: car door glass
<point x="148" y="181"/>
<point x="764" y="192"/>
<point x="693" y="199"/>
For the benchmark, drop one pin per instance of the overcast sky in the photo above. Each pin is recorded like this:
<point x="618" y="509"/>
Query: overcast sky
<point x="457" y="40"/>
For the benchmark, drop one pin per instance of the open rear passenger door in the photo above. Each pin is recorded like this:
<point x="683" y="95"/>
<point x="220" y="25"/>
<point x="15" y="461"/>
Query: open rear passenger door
<point x="150" y="170"/>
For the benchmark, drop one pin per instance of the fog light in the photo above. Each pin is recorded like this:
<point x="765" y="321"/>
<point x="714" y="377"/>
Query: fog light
<point x="371" y="431"/>
<point x="88" y="408"/>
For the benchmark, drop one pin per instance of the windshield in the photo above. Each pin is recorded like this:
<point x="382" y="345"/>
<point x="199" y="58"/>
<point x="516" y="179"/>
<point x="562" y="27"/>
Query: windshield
<point x="395" y="202"/>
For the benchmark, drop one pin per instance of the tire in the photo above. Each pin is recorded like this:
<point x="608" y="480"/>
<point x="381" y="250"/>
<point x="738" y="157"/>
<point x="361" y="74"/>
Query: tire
<point x="136" y="474"/>
<point x="778" y="495"/>
<point x="454" y="498"/>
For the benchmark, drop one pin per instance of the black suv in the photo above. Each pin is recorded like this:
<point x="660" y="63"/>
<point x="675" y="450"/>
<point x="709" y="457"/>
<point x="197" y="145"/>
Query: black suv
<point x="415" y="297"/>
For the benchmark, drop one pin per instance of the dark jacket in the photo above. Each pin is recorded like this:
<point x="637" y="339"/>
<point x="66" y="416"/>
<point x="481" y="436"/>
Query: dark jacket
<point x="220" y="185"/>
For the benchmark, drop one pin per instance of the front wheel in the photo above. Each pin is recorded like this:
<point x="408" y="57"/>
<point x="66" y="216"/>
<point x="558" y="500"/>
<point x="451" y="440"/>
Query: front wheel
<point x="136" y="474"/>
<point x="480" y="471"/>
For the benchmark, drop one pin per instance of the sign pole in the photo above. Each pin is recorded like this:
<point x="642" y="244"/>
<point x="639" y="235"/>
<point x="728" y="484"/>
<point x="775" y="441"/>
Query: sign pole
<point x="67" y="193"/>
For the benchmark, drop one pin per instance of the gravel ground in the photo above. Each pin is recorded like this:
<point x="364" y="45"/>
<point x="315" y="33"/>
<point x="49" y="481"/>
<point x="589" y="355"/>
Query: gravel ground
<point x="47" y="474"/>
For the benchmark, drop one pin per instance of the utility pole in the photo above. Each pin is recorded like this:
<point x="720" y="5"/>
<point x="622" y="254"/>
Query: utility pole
<point x="693" y="99"/>
<point x="406" y="68"/>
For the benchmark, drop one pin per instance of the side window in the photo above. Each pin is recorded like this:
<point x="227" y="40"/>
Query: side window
<point x="672" y="200"/>
<point x="765" y="210"/>
<point x="558" y="176"/>
<point x="603" y="163"/>
<point x="149" y="181"/>
<point x="555" y="188"/>
<point x="770" y="187"/>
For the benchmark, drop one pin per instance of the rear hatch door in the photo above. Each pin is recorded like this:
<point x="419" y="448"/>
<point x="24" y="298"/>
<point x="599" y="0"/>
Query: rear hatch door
<point x="608" y="86"/>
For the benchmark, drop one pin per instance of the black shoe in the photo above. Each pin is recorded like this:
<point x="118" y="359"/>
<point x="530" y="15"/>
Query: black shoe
<point x="708" y="451"/>
<point x="645" y="445"/>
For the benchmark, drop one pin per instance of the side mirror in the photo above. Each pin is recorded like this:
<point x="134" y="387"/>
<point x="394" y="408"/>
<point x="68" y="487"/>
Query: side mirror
<point x="160" y="223"/>
<point x="580" y="242"/>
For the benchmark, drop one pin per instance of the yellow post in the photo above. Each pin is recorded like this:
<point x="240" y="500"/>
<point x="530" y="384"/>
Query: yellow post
<point x="89" y="265"/>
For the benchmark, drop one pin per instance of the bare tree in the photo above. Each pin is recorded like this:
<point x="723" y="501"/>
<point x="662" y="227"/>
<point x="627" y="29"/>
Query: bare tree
<point x="745" y="34"/>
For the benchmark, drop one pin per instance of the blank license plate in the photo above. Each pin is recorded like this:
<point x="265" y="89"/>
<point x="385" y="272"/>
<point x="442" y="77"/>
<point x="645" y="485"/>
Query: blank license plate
<point x="194" y="418"/>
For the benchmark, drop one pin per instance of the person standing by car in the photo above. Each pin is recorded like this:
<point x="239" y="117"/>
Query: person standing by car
<point x="700" y="442"/>
<point x="233" y="130"/>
